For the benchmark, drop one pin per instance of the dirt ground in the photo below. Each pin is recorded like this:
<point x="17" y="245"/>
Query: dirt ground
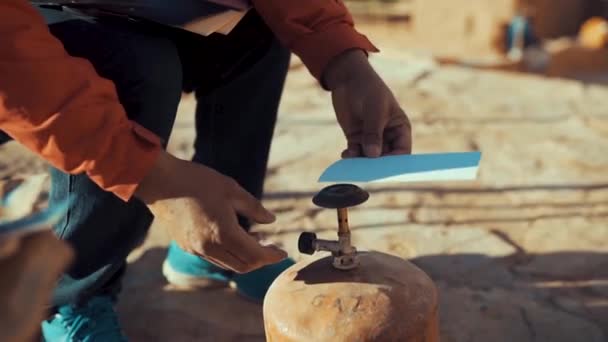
<point x="521" y="254"/>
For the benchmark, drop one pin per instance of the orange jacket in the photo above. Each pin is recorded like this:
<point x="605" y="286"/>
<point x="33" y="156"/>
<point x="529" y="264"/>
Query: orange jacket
<point x="57" y="106"/>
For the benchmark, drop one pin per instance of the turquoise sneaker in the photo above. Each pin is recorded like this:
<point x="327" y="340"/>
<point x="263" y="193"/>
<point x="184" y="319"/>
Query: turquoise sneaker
<point x="255" y="284"/>
<point x="185" y="269"/>
<point x="94" y="322"/>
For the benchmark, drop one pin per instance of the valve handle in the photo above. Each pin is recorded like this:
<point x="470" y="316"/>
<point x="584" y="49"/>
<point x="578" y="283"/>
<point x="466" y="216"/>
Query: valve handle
<point x="306" y="243"/>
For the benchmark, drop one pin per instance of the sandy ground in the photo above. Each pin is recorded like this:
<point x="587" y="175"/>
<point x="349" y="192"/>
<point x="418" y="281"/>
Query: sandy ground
<point x="521" y="254"/>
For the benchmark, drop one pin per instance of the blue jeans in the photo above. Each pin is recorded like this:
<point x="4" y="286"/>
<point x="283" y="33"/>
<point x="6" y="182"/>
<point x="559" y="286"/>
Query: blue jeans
<point x="151" y="67"/>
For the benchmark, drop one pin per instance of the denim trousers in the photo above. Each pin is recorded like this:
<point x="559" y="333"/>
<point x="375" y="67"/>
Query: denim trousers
<point x="151" y="67"/>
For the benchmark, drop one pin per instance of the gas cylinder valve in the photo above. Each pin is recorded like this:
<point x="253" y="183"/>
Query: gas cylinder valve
<point x="339" y="197"/>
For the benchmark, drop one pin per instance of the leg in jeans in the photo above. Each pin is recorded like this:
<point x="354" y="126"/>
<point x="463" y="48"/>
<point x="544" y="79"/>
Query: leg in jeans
<point x="235" y="122"/>
<point x="234" y="125"/>
<point x="101" y="228"/>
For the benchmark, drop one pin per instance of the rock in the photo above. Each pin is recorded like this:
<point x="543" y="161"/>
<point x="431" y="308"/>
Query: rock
<point x="499" y="315"/>
<point x="566" y="252"/>
<point x="402" y="70"/>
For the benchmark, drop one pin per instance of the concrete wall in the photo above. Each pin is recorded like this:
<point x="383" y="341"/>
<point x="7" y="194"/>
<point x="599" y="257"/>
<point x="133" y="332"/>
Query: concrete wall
<point x="478" y="25"/>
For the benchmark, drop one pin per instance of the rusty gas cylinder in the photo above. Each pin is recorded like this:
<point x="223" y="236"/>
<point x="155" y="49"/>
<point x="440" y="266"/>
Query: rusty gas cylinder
<point x="350" y="295"/>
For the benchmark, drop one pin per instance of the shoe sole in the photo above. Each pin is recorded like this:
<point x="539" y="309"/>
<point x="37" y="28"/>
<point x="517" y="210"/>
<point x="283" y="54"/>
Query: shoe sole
<point x="184" y="280"/>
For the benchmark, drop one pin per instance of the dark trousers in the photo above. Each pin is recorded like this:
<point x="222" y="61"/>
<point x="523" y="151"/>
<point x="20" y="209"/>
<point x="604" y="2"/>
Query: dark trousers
<point x="235" y="116"/>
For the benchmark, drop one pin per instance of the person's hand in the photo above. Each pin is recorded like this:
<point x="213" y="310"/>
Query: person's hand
<point x="200" y="207"/>
<point x="373" y="122"/>
<point x="8" y="246"/>
<point x="30" y="265"/>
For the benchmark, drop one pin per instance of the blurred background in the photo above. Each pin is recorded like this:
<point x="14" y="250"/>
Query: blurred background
<point x="521" y="254"/>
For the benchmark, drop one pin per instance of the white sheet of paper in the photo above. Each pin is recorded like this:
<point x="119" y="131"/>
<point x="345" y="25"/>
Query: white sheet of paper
<point x="405" y="168"/>
<point x="232" y="24"/>
<point x="213" y="23"/>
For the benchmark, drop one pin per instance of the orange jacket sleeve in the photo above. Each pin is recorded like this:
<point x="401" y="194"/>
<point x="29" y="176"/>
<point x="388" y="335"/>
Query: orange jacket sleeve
<point x="315" y="30"/>
<point x="58" y="107"/>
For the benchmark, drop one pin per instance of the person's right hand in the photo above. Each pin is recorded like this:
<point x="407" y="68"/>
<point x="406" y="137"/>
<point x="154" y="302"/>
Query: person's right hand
<point x="200" y="207"/>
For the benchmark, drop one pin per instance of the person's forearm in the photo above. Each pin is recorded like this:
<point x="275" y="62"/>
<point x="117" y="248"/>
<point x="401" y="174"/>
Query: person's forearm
<point x="316" y="30"/>
<point x="57" y="106"/>
<point x="339" y="70"/>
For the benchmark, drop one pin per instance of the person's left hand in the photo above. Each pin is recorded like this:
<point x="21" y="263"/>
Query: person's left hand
<point x="373" y="122"/>
<point x="8" y="246"/>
